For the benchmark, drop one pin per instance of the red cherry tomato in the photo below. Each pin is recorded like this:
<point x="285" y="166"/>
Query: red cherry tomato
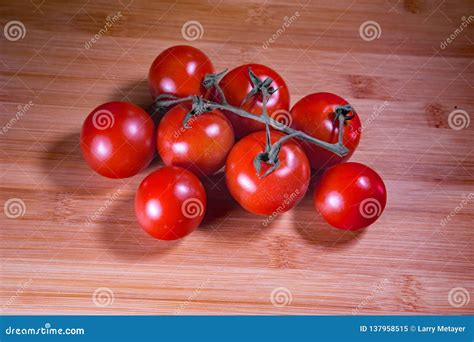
<point x="170" y="203"/>
<point x="314" y="115"/>
<point x="117" y="139"/>
<point x="277" y="192"/>
<point x="236" y="84"/>
<point x="179" y="70"/>
<point x="201" y="148"/>
<point x="350" y="196"/>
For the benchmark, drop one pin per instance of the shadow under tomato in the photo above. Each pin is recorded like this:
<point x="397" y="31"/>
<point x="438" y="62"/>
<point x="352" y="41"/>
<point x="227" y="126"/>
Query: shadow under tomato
<point x="223" y="213"/>
<point x="122" y="235"/>
<point x="314" y="229"/>
<point x="62" y="163"/>
<point x="135" y="91"/>
<point x="219" y="202"/>
<point x="321" y="233"/>
<point x="138" y="93"/>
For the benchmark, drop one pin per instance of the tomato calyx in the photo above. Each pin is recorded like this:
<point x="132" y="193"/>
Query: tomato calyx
<point x="259" y="86"/>
<point x="200" y="105"/>
<point x="269" y="156"/>
<point x="345" y="111"/>
<point x="212" y="81"/>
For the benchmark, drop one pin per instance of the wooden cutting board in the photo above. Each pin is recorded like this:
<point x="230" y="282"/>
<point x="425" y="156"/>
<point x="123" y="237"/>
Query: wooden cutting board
<point x="54" y="261"/>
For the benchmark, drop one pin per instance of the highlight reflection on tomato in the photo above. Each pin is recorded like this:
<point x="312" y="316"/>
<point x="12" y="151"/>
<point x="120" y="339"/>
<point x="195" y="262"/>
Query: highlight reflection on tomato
<point x="277" y="192"/>
<point x="179" y="70"/>
<point x="170" y="203"/>
<point x="201" y="148"/>
<point x="314" y="115"/>
<point x="117" y="139"/>
<point x="350" y="196"/>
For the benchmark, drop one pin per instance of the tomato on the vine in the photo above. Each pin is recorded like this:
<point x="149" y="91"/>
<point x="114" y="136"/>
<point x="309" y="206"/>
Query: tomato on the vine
<point x="117" y="139"/>
<point x="315" y="115"/>
<point x="202" y="147"/>
<point x="170" y="203"/>
<point x="179" y="70"/>
<point x="350" y="196"/>
<point x="276" y="192"/>
<point x="236" y="84"/>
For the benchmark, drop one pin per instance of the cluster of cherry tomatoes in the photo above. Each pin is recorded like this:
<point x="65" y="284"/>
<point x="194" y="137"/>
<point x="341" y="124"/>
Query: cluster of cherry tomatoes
<point x="120" y="139"/>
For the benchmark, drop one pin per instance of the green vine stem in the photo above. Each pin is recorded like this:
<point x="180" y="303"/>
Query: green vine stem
<point x="270" y="154"/>
<point x="212" y="81"/>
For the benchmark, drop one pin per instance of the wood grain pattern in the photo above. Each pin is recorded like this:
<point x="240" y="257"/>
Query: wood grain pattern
<point x="406" y="263"/>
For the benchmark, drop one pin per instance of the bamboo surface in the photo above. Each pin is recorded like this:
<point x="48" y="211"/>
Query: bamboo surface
<point x="55" y="261"/>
